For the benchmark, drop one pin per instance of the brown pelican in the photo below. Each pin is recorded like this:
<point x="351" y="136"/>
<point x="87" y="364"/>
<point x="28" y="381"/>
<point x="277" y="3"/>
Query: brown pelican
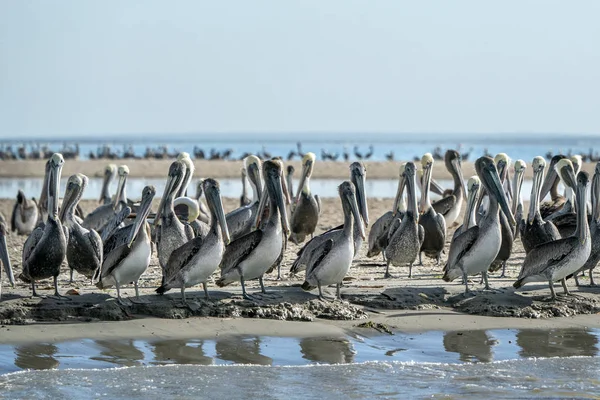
<point x="240" y="221"/>
<point x="45" y="249"/>
<point x="84" y="247"/>
<point x="565" y="219"/>
<point x="535" y="231"/>
<point x="43" y="200"/>
<point x="196" y="260"/>
<point x="252" y="255"/>
<point x="244" y="199"/>
<point x="25" y="215"/>
<point x="110" y="172"/>
<point x="554" y="261"/>
<point x="187" y="175"/>
<point x="378" y="235"/>
<point x="405" y="241"/>
<point x="473" y="186"/>
<point x="305" y="255"/>
<point x="4" y="255"/>
<point x="332" y="258"/>
<point x="508" y="230"/>
<point x="128" y="260"/>
<point x="473" y="251"/>
<point x="594" y="257"/>
<point x="98" y="218"/>
<point x="204" y="212"/>
<point x="451" y="205"/>
<point x="171" y="233"/>
<point x="517" y="200"/>
<point x="290" y="180"/>
<point x="433" y="223"/>
<point x="306" y="208"/>
<point x="115" y="224"/>
<point x="551" y="185"/>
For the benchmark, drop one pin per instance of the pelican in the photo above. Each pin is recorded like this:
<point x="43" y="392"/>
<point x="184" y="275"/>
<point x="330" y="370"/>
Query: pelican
<point x="204" y="213"/>
<point x="290" y="180"/>
<point x="551" y="185"/>
<point x="405" y="241"/>
<point x="306" y="206"/>
<point x="43" y="200"/>
<point x="508" y="230"/>
<point x="171" y="233"/>
<point x="594" y="257"/>
<point x="252" y="255"/>
<point x="517" y="200"/>
<point x="187" y="175"/>
<point x="4" y="255"/>
<point x="473" y="186"/>
<point x="240" y="220"/>
<point x="196" y="260"/>
<point x="46" y="247"/>
<point x="332" y="258"/>
<point x="127" y="261"/>
<point x="378" y="235"/>
<point x="473" y="251"/>
<point x="25" y="215"/>
<point x="450" y="206"/>
<point x="535" y="231"/>
<point x="357" y="177"/>
<point x="98" y="218"/>
<point x="114" y="224"/>
<point x="433" y="223"/>
<point x="565" y="219"/>
<point x="554" y="261"/>
<point x="244" y="199"/>
<point x="84" y="247"/>
<point x="110" y="172"/>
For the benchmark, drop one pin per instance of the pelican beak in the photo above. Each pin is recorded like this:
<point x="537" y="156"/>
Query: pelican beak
<point x="551" y="177"/>
<point x="121" y="185"/>
<point x="306" y="169"/>
<point x="490" y="174"/>
<point x="141" y="215"/>
<point x="351" y="199"/>
<point x="213" y="197"/>
<point x="458" y="168"/>
<point x="399" y="194"/>
<point x="5" y="259"/>
<point x="254" y="176"/>
<point x="261" y="207"/>
<point x="169" y="188"/>
<point x="358" y="178"/>
<point x="427" y="170"/>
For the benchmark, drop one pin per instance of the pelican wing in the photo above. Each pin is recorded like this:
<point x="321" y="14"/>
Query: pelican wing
<point x="96" y="243"/>
<point x="306" y="252"/>
<point x="31" y="243"/>
<point x="394" y="225"/>
<point x="13" y="218"/>
<point x="239" y="249"/>
<point x="181" y="256"/>
<point x="114" y="222"/>
<point x="547" y="255"/>
<point x="117" y="239"/>
<point x="443" y="206"/>
<point x="318" y="254"/>
<point x="461" y="245"/>
<point x="113" y="259"/>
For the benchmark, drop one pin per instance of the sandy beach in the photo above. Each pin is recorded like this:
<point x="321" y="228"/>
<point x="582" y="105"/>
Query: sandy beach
<point x="226" y="169"/>
<point x="424" y="302"/>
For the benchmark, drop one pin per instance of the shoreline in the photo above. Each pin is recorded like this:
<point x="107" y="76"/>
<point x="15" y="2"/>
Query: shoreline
<point x="219" y="169"/>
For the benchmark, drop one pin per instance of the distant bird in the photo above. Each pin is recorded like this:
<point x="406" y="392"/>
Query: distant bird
<point x="25" y="215"/>
<point x="46" y="247"/>
<point x="390" y="156"/>
<point x="4" y="255"/>
<point x="84" y="247"/>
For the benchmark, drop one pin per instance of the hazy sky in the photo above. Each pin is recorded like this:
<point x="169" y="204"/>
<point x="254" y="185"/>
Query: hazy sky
<point x="84" y="67"/>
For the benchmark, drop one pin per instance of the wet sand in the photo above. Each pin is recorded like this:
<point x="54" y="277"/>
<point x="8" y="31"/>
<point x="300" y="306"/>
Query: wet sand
<point x="225" y="169"/>
<point x="424" y="302"/>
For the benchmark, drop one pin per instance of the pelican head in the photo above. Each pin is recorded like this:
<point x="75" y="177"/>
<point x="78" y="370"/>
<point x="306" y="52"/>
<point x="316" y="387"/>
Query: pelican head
<point x="473" y="184"/>
<point x="566" y="172"/>
<point x="73" y="191"/>
<point x="577" y="162"/>
<point x="347" y="194"/>
<point x="174" y="179"/>
<point x="488" y="174"/>
<point x="253" y="167"/>
<point x="538" y="164"/>
<point x="110" y="171"/>
<point x="123" y="172"/>
<point x="520" y="166"/>
<point x="426" y="164"/>
<point x="357" y="177"/>
<point x="147" y="195"/>
<point x="452" y="159"/>
<point x="272" y="171"/>
<point x="308" y="162"/>
<point x="551" y="176"/>
<point x="502" y="163"/>
<point x="212" y="191"/>
<point x="193" y="209"/>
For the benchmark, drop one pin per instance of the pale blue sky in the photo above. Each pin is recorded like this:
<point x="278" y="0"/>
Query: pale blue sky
<point x="83" y="67"/>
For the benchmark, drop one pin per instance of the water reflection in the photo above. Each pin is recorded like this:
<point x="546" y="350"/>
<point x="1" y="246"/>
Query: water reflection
<point x="120" y="352"/>
<point x="180" y="352"/>
<point x="557" y="343"/>
<point x="472" y="346"/>
<point x="36" y="356"/>
<point x="327" y="350"/>
<point x="241" y="350"/>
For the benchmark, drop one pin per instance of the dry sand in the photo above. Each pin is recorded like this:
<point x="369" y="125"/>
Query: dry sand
<point x="224" y="169"/>
<point x="422" y="303"/>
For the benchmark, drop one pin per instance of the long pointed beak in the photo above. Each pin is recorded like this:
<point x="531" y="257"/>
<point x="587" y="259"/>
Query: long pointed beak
<point x="596" y="192"/>
<point x="436" y="187"/>
<point x="425" y="188"/>
<point x="399" y="194"/>
<point x="551" y="177"/>
<point x="458" y="168"/>
<point x="361" y="198"/>
<point x="498" y="191"/>
<point x="281" y="205"/>
<point x="471" y="203"/>
<point x="120" y="187"/>
<point x="301" y="183"/>
<point x="168" y="189"/>
<point x="70" y="194"/>
<point x="286" y="192"/>
<point x="215" y="198"/>
<point x="55" y="172"/>
<point x="6" y="260"/>
<point x="261" y="208"/>
<point x="140" y="219"/>
<point x="409" y="184"/>
<point x="354" y="209"/>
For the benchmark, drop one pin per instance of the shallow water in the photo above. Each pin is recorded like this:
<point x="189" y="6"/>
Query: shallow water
<point x="384" y="188"/>
<point x="499" y="363"/>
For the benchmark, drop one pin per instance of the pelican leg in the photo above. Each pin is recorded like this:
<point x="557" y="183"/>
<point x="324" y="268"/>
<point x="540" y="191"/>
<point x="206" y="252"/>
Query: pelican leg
<point x="71" y="276"/>
<point x="183" y="300"/>
<point x="484" y="275"/>
<point x="264" y="292"/>
<point x="205" y="287"/>
<point x="410" y="270"/>
<point x="321" y="296"/>
<point x="576" y="280"/>
<point x="553" y="296"/>
<point x="279" y="271"/>
<point x="244" y="294"/>
<point x="503" y="274"/>
<point x="137" y="294"/>
<point x="119" y="298"/>
<point x="57" y="295"/>
<point x="338" y="291"/>
<point x="33" y="292"/>
<point x="592" y="283"/>
<point x="565" y="288"/>
<point x="466" y="282"/>
<point x="387" y="274"/>
<point x="383" y="256"/>
<point x="437" y="259"/>
<point x="420" y="259"/>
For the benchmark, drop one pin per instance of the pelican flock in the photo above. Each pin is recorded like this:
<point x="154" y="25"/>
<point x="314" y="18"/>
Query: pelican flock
<point x="197" y="243"/>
